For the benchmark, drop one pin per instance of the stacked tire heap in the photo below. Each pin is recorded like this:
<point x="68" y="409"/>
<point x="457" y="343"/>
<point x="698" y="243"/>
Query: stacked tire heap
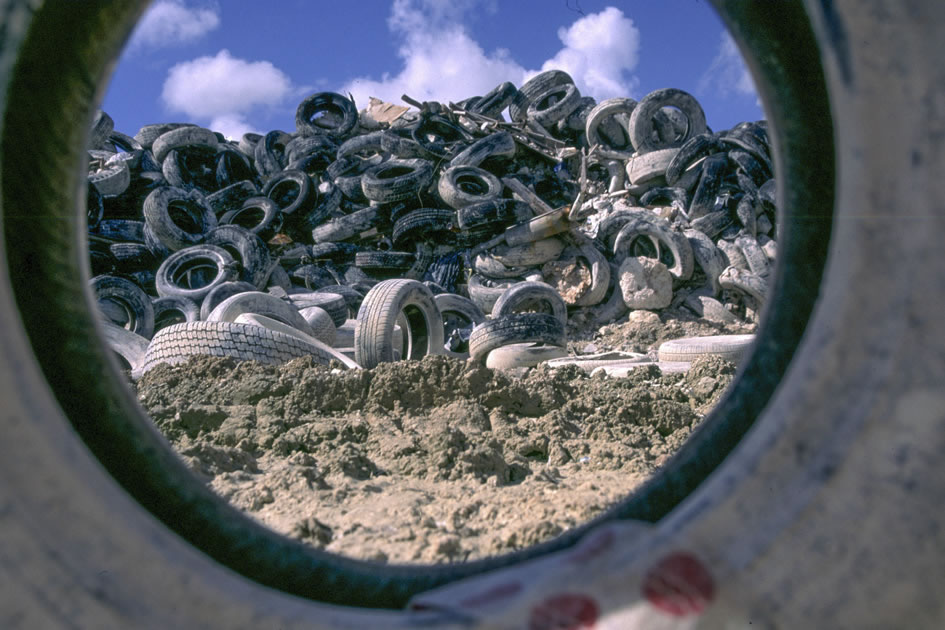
<point x="362" y="238"/>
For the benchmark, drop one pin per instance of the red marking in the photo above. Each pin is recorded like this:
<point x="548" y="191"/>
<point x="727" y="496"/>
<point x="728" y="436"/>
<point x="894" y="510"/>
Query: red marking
<point x="500" y="591"/>
<point x="679" y="585"/>
<point x="597" y="544"/>
<point x="564" y="612"/>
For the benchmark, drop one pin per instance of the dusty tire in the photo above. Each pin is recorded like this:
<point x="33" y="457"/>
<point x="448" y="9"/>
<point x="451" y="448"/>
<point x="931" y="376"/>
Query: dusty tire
<point x="396" y="180"/>
<point x="380" y="311"/>
<point x="732" y="348"/>
<point x="132" y="303"/>
<point x="523" y="355"/>
<point x="174" y="310"/>
<point x="461" y="186"/>
<point x="843" y="427"/>
<point x="531" y="295"/>
<point x="178" y="218"/>
<point x="514" y="329"/>
<point x="245" y="342"/>
<point x="258" y="303"/>
<point x="173" y="277"/>
<point x="641" y="125"/>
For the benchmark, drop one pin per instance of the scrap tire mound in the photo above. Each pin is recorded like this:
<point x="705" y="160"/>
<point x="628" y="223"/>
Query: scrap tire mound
<point x="103" y="526"/>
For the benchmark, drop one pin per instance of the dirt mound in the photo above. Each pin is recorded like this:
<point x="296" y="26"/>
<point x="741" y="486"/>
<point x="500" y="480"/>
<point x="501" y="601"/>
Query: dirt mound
<point x="424" y="461"/>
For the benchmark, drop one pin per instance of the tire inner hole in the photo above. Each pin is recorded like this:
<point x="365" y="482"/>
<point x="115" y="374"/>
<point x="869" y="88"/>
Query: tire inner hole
<point x="248" y="218"/>
<point x="195" y="274"/>
<point x="327" y="116"/>
<point x="187" y="216"/>
<point x="472" y="185"/>
<point x="416" y="336"/>
<point x="285" y="193"/>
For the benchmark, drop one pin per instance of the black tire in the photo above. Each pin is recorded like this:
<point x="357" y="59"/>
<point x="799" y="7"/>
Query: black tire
<point x="327" y="203"/>
<point x="149" y="133"/>
<point x="326" y="113"/>
<point x="245" y="342"/>
<point x="221" y="292"/>
<point x="246" y="248"/>
<point x="495" y="214"/>
<point x="693" y="149"/>
<point x="537" y="297"/>
<point x="190" y="167"/>
<point x="515" y="328"/>
<point x="231" y="167"/>
<point x="120" y="230"/>
<point x="292" y="191"/>
<point x="707" y="255"/>
<point x="346" y="227"/>
<point x="495" y="101"/>
<point x="518" y="108"/>
<point x="427" y="224"/>
<point x="302" y="147"/>
<point x="554" y="104"/>
<point x="382" y="307"/>
<point x="438" y="138"/>
<point x="461" y="186"/>
<point x="259" y="215"/>
<point x="499" y="144"/>
<point x="389" y="261"/>
<point x="703" y="199"/>
<point x="128" y="299"/>
<point x="269" y="153"/>
<point x="231" y="197"/>
<point x="132" y="257"/>
<point x="212" y="265"/>
<point x="94" y="208"/>
<point x="179" y="137"/>
<point x="174" y="309"/>
<point x="179" y="218"/>
<point x="642" y="125"/>
<point x="396" y="179"/>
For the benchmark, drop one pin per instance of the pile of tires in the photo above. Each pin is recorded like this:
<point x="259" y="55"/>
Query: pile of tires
<point x="605" y="207"/>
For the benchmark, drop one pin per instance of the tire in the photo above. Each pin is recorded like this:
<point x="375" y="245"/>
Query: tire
<point x="608" y="110"/>
<point x="221" y="292"/>
<point x="523" y="355"/>
<point x="666" y="239"/>
<point x="269" y="153"/>
<point x="259" y="303"/>
<point x="130" y="347"/>
<point x="246" y="248"/>
<point x="320" y="321"/>
<point x="130" y="257"/>
<point x="840" y="429"/>
<point x="396" y="179"/>
<point x="708" y="256"/>
<point x="232" y="197"/>
<point x="292" y="191"/>
<point x="352" y="297"/>
<point x="554" y="104"/>
<point x="461" y="186"/>
<point x="732" y="348"/>
<point x="531" y="295"/>
<point x="339" y="116"/>
<point x="348" y="226"/>
<point x="326" y="351"/>
<point x="542" y="82"/>
<point x="120" y="230"/>
<point x="178" y="218"/>
<point x="173" y="277"/>
<point x="647" y="167"/>
<point x="180" y="137"/>
<point x="495" y="101"/>
<point x="112" y="180"/>
<point x="174" y="309"/>
<point x="427" y="224"/>
<point x="131" y="301"/>
<point x="382" y="308"/>
<point x="494" y="215"/>
<point x="245" y="342"/>
<point x="149" y="133"/>
<point x="515" y="328"/>
<point x="259" y="215"/>
<point x="499" y="144"/>
<point x="334" y="304"/>
<point x="693" y="149"/>
<point x="641" y="125"/>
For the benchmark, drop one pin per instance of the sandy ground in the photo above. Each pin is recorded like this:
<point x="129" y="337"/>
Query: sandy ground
<point x="436" y="460"/>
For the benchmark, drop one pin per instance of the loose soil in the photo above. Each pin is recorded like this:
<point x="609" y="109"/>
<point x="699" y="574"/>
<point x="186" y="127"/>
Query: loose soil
<point x="437" y="460"/>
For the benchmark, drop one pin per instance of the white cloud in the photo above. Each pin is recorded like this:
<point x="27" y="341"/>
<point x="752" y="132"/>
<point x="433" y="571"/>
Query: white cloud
<point x="223" y="90"/>
<point x="727" y="74"/>
<point x="442" y="62"/>
<point x="171" y="22"/>
<point x="600" y="51"/>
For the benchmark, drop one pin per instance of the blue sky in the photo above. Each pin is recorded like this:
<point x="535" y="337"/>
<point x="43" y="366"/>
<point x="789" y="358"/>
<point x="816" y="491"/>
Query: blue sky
<point x="241" y="65"/>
